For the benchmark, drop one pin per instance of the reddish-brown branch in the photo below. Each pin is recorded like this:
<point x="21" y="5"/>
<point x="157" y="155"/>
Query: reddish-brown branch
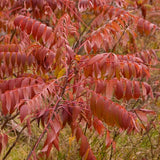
<point x="14" y="143"/>
<point x="8" y="119"/>
<point x="55" y="108"/>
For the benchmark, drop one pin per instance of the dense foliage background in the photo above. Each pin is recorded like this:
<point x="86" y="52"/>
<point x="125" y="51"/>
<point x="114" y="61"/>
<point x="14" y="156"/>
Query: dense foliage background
<point x="79" y="79"/>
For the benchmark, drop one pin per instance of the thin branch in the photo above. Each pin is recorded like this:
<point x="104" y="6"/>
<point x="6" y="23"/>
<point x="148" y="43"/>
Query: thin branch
<point x="85" y="130"/>
<point x="135" y="103"/>
<point x="147" y="135"/>
<point x="8" y="119"/>
<point x="89" y="29"/>
<point x="82" y="34"/>
<point x="37" y="142"/>
<point x="12" y="35"/>
<point x="115" y="45"/>
<point x="114" y="137"/>
<point x="14" y="143"/>
<point x="55" y="108"/>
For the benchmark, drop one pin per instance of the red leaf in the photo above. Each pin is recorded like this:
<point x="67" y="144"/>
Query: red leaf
<point x="56" y="143"/>
<point x="29" y="26"/>
<point x="91" y="156"/>
<point x="126" y="71"/>
<point x="18" y="20"/>
<point x="24" y="111"/>
<point x="29" y="126"/>
<point x="87" y="47"/>
<point x="93" y="103"/>
<point x="55" y="125"/>
<point x="147" y="87"/>
<point x="88" y="71"/>
<point x="111" y="113"/>
<point x="5" y="140"/>
<point x="8" y="101"/>
<point x="40" y="31"/>
<point x="23" y="23"/>
<point x="119" y="90"/>
<point x="98" y="125"/>
<point x="108" y="140"/>
<point x="79" y="134"/>
<point x="109" y="89"/>
<point x="51" y="138"/>
<point x="147" y="111"/>
<point x="47" y="34"/>
<point x="95" y="59"/>
<point x="117" y="70"/>
<point x="128" y="93"/>
<point x="142" y="116"/>
<point x="84" y="145"/>
<point x="76" y="110"/>
<point x="114" y="145"/>
<point x="100" y="87"/>
<point x="35" y="29"/>
<point x="98" y="111"/>
<point x="136" y="88"/>
<point x="140" y="25"/>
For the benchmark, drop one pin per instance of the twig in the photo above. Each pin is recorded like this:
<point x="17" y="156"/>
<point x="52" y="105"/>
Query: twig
<point x="82" y="33"/>
<point x="114" y="47"/>
<point x="12" y="35"/>
<point x="55" y="108"/>
<point x="85" y="128"/>
<point x="101" y="144"/>
<point x="37" y="142"/>
<point x="8" y="119"/>
<point x="115" y="135"/>
<point x="14" y="143"/>
<point x="147" y="135"/>
<point x="135" y="104"/>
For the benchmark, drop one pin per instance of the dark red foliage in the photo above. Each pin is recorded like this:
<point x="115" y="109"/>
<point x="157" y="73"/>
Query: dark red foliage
<point x="60" y="64"/>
